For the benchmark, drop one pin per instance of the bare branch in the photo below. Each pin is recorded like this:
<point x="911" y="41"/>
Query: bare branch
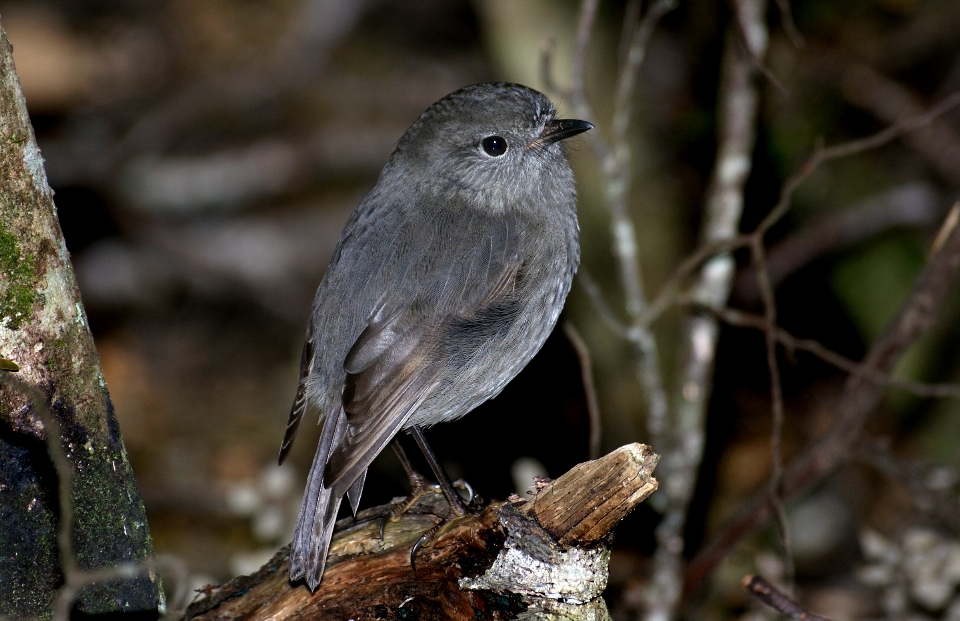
<point x="776" y="398"/>
<point x="595" y="295"/>
<point x="686" y="436"/>
<point x="629" y="69"/>
<point x="789" y="27"/>
<point x="589" y="388"/>
<point x="614" y="161"/>
<point x="771" y="596"/>
<point x="912" y="205"/>
<point x="888" y="100"/>
<point x="742" y="319"/>
<point x="668" y="293"/>
<point x="854" y="406"/>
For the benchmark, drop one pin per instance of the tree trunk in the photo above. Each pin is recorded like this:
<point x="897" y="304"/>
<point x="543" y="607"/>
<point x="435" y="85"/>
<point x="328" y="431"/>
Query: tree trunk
<point x="44" y="332"/>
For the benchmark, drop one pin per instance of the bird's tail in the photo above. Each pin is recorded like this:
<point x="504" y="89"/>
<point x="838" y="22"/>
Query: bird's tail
<point x="318" y="513"/>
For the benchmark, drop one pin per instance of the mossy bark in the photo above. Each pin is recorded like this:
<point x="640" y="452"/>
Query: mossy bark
<point x="43" y="329"/>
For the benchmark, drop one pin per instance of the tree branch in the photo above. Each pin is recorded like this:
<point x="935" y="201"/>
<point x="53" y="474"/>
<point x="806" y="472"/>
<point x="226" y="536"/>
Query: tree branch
<point x="857" y="402"/>
<point x="548" y="553"/>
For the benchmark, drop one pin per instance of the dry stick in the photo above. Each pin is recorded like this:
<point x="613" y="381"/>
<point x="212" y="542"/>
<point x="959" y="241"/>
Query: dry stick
<point x="889" y="100"/>
<point x="776" y="397"/>
<point x="743" y="319"/>
<point x="74" y="579"/>
<point x="645" y="351"/>
<point x="855" y="404"/>
<point x="592" y="289"/>
<point x="615" y="164"/>
<point x="683" y="443"/>
<point x="789" y="27"/>
<point x="909" y="205"/>
<point x="669" y="292"/>
<point x="589" y="388"/>
<point x="771" y="596"/>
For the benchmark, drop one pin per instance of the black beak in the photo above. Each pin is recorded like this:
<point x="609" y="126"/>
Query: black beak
<point x="561" y="129"/>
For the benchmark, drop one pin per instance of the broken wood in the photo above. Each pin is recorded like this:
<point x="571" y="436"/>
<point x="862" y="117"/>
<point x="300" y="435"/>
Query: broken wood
<point x="542" y="558"/>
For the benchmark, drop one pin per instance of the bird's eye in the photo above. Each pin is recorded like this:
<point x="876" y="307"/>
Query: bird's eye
<point x="494" y="145"/>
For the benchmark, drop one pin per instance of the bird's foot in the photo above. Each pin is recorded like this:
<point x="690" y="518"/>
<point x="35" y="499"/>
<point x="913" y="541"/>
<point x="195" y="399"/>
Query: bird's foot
<point x="433" y="533"/>
<point x="456" y="511"/>
<point x="420" y="489"/>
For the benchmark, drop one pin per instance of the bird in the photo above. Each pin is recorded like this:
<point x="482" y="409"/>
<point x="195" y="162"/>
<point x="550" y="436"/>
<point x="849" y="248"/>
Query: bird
<point x="446" y="280"/>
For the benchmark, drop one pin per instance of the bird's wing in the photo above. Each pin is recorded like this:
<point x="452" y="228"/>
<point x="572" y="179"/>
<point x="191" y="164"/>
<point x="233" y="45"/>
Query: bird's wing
<point x="461" y="299"/>
<point x="300" y="400"/>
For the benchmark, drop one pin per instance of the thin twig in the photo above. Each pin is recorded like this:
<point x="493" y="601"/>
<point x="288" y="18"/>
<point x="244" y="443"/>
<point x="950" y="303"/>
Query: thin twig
<point x="753" y="35"/>
<point x="683" y="437"/>
<point x="617" y="168"/>
<point x="588" y="14"/>
<point x="773" y="597"/>
<point x="776" y="398"/>
<point x="789" y="27"/>
<point x="629" y="70"/>
<point x="908" y="205"/>
<point x="614" y="161"/>
<point x="576" y="94"/>
<point x="671" y="287"/>
<point x="595" y="295"/>
<point x="743" y="319"/>
<point x="889" y="100"/>
<point x="77" y="580"/>
<point x="589" y="388"/>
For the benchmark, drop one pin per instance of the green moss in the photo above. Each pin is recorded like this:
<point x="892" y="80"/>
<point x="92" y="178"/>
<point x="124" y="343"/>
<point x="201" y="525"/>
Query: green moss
<point x="57" y="355"/>
<point x="18" y="295"/>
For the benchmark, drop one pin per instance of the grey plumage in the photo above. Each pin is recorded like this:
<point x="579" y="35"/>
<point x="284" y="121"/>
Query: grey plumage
<point x="447" y="279"/>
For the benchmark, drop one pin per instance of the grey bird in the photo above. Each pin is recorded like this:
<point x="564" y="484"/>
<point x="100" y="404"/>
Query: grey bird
<point x="447" y="279"/>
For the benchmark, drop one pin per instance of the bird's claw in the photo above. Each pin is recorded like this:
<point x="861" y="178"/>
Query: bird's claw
<point x="462" y="484"/>
<point x="420" y="489"/>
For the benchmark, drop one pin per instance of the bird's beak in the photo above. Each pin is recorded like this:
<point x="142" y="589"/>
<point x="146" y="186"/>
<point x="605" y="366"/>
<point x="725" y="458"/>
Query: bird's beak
<point x="560" y="129"/>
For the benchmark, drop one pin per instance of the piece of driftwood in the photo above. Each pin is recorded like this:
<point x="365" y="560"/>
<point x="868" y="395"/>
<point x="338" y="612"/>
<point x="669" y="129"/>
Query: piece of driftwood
<point x="544" y="558"/>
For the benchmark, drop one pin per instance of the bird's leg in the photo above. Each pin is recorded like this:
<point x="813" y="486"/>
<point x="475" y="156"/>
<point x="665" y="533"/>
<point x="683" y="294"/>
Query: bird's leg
<point x="456" y="506"/>
<point x="418" y="487"/>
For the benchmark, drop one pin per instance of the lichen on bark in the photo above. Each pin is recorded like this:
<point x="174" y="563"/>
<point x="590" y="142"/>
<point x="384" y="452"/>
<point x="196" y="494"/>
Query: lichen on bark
<point x="44" y="332"/>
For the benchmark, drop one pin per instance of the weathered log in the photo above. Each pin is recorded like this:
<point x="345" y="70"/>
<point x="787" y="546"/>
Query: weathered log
<point x="544" y="558"/>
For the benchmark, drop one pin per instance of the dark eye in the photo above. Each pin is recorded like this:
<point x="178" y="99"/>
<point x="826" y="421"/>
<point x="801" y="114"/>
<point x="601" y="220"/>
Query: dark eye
<point x="494" y="145"/>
